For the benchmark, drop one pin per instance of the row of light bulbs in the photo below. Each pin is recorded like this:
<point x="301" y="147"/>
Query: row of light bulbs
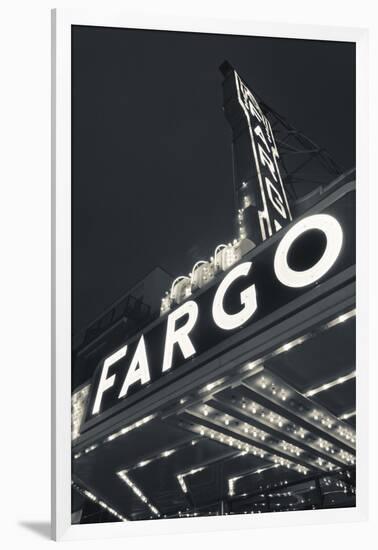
<point x="181" y="477"/>
<point x="86" y="451"/>
<point x="245" y="203"/>
<point x="331" y="384"/>
<point x="233" y="480"/>
<point x="295" y="431"/>
<point x="98" y="501"/>
<point x="248" y="448"/>
<point x="78" y="403"/>
<point x="123" y="475"/>
<point x="256" y="433"/>
<point x="321" y="418"/>
<point x="231" y="441"/>
<point x="135" y="425"/>
<point x="163" y="454"/>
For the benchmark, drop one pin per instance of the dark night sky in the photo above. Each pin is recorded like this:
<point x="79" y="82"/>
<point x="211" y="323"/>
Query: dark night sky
<point x="152" y="166"/>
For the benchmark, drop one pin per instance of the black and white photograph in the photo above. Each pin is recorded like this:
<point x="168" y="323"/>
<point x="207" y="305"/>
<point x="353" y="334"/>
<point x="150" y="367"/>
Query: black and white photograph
<point x="213" y="360"/>
<point x="189" y="257"/>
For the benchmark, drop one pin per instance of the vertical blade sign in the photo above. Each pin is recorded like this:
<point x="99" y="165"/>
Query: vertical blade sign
<point x="262" y="204"/>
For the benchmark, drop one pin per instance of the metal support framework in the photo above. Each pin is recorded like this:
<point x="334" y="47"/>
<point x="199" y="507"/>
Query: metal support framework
<point x="302" y="160"/>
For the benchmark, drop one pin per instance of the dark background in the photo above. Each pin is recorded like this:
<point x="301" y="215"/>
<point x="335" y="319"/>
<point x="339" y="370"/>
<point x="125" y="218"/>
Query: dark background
<point x="151" y="153"/>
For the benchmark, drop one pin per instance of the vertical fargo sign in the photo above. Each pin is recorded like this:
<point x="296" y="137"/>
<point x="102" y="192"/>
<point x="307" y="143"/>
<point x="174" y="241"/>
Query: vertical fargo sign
<point x="262" y="200"/>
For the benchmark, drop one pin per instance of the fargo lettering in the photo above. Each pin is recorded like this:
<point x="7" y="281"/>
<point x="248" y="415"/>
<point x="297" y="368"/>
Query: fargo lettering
<point x="243" y="294"/>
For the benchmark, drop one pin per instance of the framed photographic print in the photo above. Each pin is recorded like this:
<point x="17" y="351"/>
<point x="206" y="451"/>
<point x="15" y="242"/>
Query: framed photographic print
<point x="209" y="194"/>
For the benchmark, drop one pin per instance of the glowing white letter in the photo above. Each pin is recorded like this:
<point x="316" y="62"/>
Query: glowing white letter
<point x="334" y="235"/>
<point x="247" y="299"/>
<point x="106" y="383"/>
<point x="138" y="369"/>
<point x="275" y="198"/>
<point x="180" y="336"/>
<point x="266" y="161"/>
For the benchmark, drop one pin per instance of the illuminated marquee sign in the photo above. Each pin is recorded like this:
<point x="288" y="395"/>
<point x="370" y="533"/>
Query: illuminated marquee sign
<point x="258" y="179"/>
<point x="310" y="251"/>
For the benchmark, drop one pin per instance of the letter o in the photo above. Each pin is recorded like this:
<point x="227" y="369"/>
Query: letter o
<point x="334" y="235"/>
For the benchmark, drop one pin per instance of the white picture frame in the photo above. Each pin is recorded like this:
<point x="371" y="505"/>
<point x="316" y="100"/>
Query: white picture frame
<point x="61" y="270"/>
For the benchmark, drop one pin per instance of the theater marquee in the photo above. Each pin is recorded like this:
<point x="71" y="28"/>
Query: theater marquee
<point x="311" y="250"/>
